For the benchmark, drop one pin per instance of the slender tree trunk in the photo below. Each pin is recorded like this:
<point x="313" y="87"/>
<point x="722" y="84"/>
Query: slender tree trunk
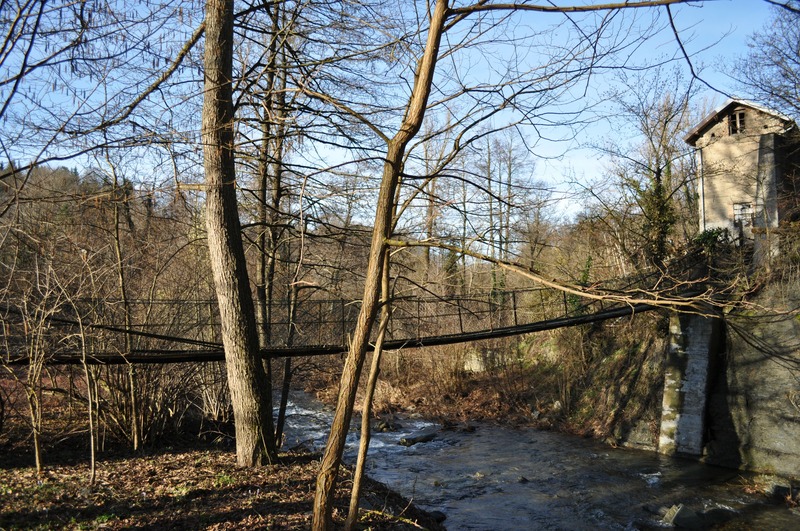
<point x="430" y="208"/>
<point x="90" y="398"/>
<point x="284" y="402"/>
<point x="492" y="230"/>
<point x="36" y="422"/>
<point x="463" y="239"/>
<point x="271" y="189"/>
<point x="332" y="458"/>
<point x="249" y="387"/>
<point x="509" y="197"/>
<point x="366" y="414"/>
<point x="266" y="260"/>
<point x="270" y="178"/>
<point x="415" y="112"/>
<point x="33" y="387"/>
<point x="287" y="365"/>
<point x="136" y="435"/>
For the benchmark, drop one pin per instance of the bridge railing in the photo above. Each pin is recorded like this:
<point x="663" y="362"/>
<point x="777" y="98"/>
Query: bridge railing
<point x="161" y="326"/>
<point x="318" y="322"/>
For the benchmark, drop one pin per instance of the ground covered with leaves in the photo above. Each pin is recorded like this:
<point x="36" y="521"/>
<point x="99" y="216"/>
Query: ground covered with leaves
<point x="182" y="488"/>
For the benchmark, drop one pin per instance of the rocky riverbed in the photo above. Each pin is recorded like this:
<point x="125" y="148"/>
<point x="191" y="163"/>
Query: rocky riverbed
<point x="485" y="477"/>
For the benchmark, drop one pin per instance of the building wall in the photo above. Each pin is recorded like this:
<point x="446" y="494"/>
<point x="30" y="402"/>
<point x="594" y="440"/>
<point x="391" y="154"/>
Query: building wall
<point x="739" y="169"/>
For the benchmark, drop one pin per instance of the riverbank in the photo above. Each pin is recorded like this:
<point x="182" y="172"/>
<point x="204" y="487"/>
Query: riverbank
<point x="188" y="486"/>
<point x="602" y="381"/>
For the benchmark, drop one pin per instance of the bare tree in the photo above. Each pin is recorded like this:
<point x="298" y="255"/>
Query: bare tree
<point x="74" y="76"/>
<point x="771" y="70"/>
<point x="41" y="300"/>
<point x="366" y="413"/>
<point x="650" y="192"/>
<point x="396" y="146"/>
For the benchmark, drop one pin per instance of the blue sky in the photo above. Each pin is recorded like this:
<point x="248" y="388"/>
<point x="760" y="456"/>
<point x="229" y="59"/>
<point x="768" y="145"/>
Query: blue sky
<point x="724" y="23"/>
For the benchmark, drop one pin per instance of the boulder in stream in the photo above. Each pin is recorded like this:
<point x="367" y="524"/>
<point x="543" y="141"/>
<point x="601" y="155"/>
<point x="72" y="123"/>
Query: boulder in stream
<point x="420" y="437"/>
<point x="386" y="424"/>
<point x="683" y="517"/>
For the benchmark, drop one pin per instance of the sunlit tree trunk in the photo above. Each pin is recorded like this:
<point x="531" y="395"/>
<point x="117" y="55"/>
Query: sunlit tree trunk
<point x="369" y="393"/>
<point x="118" y="195"/>
<point x="91" y="399"/>
<point x="412" y="121"/>
<point x="249" y="387"/>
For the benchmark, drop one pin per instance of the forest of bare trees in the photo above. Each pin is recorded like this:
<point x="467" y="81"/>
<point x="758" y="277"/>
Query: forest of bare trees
<point x="181" y="174"/>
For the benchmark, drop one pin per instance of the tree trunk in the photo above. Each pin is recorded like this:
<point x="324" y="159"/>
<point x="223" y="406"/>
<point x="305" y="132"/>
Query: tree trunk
<point x="136" y="432"/>
<point x="287" y="366"/>
<point x="415" y="112"/>
<point x="90" y="399"/>
<point x="270" y="177"/>
<point x="249" y="387"/>
<point x="366" y="414"/>
<point x="34" y="405"/>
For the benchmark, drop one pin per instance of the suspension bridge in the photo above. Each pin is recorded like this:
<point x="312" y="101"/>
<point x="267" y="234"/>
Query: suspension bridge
<point x="180" y="331"/>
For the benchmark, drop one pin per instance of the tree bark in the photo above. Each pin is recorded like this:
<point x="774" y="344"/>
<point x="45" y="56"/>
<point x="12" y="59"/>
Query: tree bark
<point x="249" y="387"/>
<point x="366" y="412"/>
<point x="412" y="121"/>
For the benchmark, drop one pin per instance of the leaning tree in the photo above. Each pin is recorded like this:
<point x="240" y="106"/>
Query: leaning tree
<point x="529" y="79"/>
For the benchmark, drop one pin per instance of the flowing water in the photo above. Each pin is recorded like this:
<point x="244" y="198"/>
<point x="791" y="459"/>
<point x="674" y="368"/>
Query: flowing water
<point x="499" y="478"/>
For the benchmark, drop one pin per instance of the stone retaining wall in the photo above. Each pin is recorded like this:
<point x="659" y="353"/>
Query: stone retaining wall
<point x="754" y="402"/>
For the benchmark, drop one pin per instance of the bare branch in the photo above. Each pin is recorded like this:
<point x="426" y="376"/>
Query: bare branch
<point x="785" y="5"/>
<point x="690" y="303"/>
<point x="485" y="6"/>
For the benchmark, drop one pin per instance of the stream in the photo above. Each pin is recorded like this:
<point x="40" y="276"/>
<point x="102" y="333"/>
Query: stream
<point x="496" y="478"/>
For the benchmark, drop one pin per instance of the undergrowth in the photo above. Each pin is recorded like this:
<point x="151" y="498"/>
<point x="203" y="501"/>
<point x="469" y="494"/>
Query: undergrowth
<point x="599" y="380"/>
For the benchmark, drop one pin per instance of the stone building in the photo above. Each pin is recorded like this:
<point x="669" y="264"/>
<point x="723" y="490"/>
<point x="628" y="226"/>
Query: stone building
<point x="744" y="154"/>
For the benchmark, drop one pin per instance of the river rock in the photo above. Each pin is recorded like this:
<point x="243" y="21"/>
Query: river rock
<point x="459" y="427"/>
<point x="717" y="516"/>
<point x="421" y="437"/>
<point x="439" y="516"/>
<point x="683" y="517"/>
<point x="386" y="425"/>
<point x="783" y="489"/>
<point x="658" y="510"/>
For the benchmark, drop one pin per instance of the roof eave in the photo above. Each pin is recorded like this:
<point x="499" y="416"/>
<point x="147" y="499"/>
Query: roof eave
<point x="695" y="133"/>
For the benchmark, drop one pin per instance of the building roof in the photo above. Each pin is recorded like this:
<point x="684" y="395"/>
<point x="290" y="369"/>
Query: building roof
<point x="697" y="131"/>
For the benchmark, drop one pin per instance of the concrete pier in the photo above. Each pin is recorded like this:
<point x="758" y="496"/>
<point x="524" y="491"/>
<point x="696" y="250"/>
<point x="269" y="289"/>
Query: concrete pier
<point x="686" y="381"/>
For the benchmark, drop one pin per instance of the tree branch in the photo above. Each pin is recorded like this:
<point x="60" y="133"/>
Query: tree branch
<point x="480" y="7"/>
<point x="686" y="303"/>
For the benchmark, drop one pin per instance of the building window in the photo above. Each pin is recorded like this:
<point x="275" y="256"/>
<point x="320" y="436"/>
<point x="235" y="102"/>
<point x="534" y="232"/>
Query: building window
<point x="743" y="214"/>
<point x="736" y="123"/>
